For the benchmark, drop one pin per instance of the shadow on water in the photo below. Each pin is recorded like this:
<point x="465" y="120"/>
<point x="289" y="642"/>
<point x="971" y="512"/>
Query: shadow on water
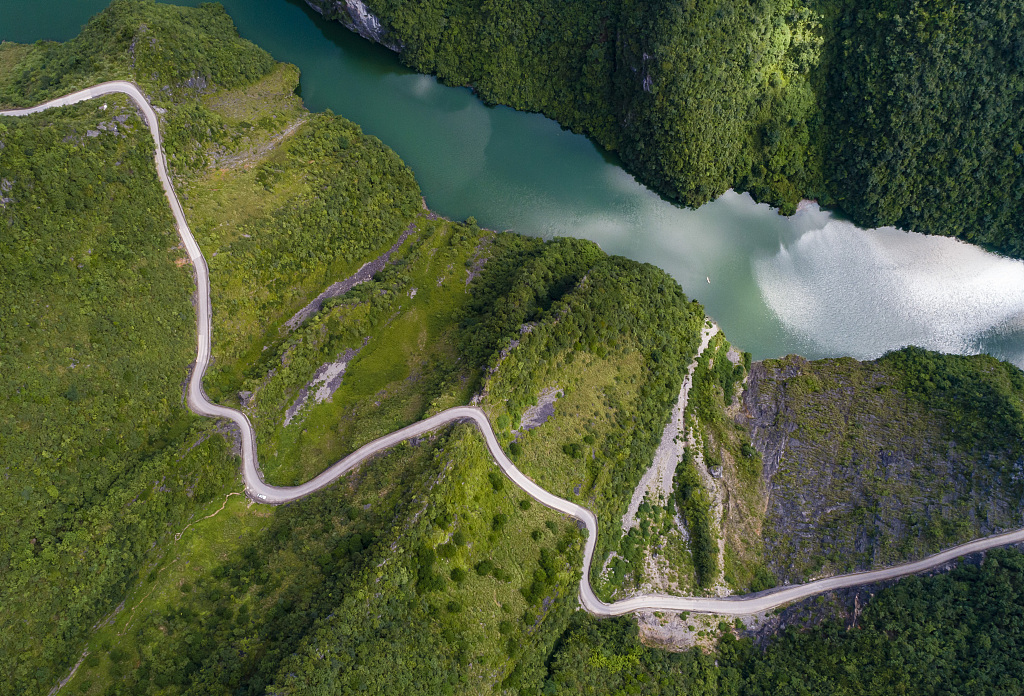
<point x="367" y="55"/>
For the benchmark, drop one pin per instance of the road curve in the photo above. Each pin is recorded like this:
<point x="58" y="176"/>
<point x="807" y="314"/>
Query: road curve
<point x="260" y="491"/>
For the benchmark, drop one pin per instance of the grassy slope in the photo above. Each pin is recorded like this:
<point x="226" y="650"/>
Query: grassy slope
<point x="159" y="46"/>
<point x="403" y="327"/>
<point x="127" y="462"/>
<point x="11" y="54"/>
<point x="459" y="605"/>
<point x="242" y="590"/>
<point x="294" y="204"/>
<point x="260" y="557"/>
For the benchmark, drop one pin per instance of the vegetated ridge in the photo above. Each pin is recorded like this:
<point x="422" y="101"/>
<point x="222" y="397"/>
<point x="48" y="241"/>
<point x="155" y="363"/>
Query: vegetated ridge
<point x="918" y="368"/>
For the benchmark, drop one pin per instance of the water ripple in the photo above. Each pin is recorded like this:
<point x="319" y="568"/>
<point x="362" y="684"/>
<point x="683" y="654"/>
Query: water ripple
<point x="863" y="292"/>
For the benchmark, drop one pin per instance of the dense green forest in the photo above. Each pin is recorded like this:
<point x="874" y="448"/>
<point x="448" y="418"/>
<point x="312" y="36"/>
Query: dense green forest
<point x="925" y="116"/>
<point x="958" y="633"/>
<point x="96" y="338"/>
<point x="899" y="112"/>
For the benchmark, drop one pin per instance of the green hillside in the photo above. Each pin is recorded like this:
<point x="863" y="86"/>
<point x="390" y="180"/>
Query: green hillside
<point x="283" y="203"/>
<point x="129" y="552"/>
<point x="100" y="457"/>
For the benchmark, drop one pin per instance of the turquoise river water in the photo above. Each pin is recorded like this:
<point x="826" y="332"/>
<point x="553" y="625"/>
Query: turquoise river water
<point x="810" y="284"/>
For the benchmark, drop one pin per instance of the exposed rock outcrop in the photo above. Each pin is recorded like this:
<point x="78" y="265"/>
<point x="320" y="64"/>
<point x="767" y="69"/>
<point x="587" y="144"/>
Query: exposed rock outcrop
<point x="355" y="15"/>
<point x="862" y="475"/>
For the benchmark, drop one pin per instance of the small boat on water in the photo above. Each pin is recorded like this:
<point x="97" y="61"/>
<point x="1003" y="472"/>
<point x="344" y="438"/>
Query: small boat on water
<point x="707" y="279"/>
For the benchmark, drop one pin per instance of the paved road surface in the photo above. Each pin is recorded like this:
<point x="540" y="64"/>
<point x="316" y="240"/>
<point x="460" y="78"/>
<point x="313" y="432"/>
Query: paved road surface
<point x="261" y="491"/>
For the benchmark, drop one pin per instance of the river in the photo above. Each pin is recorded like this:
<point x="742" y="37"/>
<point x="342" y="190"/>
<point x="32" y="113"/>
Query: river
<point x="811" y="284"/>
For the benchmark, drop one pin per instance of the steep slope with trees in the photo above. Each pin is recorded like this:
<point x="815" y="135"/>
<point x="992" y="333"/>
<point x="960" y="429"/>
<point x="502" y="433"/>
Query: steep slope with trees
<point x="900" y="112"/>
<point x="958" y="633"/>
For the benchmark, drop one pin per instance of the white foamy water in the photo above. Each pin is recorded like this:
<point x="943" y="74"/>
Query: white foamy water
<point x="863" y="292"/>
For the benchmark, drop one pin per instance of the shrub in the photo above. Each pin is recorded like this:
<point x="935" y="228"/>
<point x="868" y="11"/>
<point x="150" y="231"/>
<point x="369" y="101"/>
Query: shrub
<point x="695" y="504"/>
<point x="763" y="579"/>
<point x="573" y="449"/>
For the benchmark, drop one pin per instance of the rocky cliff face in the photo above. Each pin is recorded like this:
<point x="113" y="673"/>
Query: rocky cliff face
<point x="860" y="474"/>
<point x="355" y="15"/>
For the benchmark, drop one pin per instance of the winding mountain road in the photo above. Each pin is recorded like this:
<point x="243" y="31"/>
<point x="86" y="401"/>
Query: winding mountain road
<point x="260" y="491"/>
